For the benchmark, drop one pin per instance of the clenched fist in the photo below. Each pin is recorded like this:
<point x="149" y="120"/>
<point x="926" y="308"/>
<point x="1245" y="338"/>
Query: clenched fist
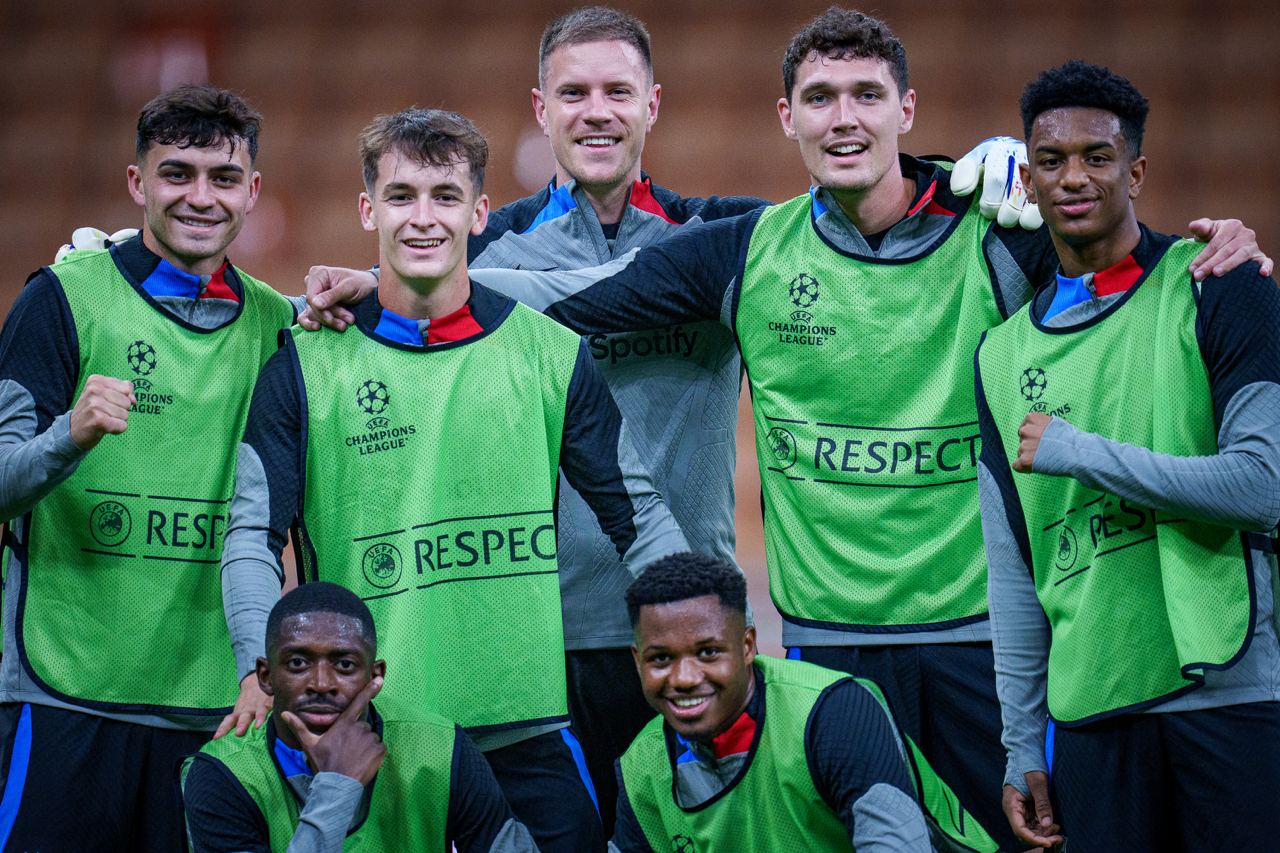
<point x="1029" y="433"/>
<point x="103" y="408"/>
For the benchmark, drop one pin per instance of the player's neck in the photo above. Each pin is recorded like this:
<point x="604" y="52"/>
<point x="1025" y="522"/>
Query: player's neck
<point x="424" y="299"/>
<point x="880" y="207"/>
<point x="609" y="201"/>
<point x="192" y="266"/>
<point x="1078" y="258"/>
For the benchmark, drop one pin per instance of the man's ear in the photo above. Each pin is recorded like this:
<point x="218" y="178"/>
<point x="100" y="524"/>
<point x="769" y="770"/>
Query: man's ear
<point x="1137" y="175"/>
<point x="908" y="111"/>
<point x="134" y="174"/>
<point x="784" y="114"/>
<point x="379" y="669"/>
<point x="255" y="187"/>
<point x="367" y="218"/>
<point x="1025" y="171"/>
<point x="481" y="214"/>
<point x="539" y="109"/>
<point x="749" y="644"/>
<point x="655" y="98"/>
<point x="263" y="671"/>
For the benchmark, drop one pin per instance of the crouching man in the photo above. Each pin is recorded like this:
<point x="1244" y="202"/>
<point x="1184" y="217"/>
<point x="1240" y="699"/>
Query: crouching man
<point x="305" y="781"/>
<point x="829" y="772"/>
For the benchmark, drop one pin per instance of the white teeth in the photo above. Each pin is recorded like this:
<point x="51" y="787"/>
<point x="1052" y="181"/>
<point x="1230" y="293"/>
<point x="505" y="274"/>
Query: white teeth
<point x="848" y="149"/>
<point x="689" y="703"/>
<point x="598" y="141"/>
<point x="424" y="244"/>
<point x="195" y="223"/>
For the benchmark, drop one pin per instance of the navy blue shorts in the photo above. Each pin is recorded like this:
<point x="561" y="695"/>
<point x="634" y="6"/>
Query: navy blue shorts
<point x="1187" y="782"/>
<point x="943" y="696"/>
<point x="76" y="781"/>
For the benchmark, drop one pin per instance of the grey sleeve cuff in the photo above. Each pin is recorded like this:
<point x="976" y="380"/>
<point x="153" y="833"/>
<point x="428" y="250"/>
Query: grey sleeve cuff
<point x="331" y="805"/>
<point x="1238" y="487"/>
<point x="887" y="819"/>
<point x="251" y="576"/>
<point x="31" y="465"/>
<point x="514" y="837"/>
<point x="299" y="303"/>
<point x="1019" y="636"/>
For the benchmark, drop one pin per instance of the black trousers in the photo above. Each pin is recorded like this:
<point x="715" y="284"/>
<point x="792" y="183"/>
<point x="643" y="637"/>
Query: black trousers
<point x="542" y="781"/>
<point x="1186" y="782"/>
<point x="944" y="697"/>
<point x="76" y="781"/>
<point x="608" y="711"/>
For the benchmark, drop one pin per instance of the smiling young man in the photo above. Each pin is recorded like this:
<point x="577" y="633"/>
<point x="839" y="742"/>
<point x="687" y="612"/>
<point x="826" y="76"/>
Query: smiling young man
<point x="752" y="753"/>
<point x="884" y="276"/>
<point x="596" y="101"/>
<point x="1129" y="498"/>
<point x="446" y="415"/>
<point x="124" y="381"/>
<point x="305" y="781"/>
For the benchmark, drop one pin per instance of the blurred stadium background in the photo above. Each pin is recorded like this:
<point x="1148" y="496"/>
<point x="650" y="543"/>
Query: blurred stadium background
<point x="73" y="76"/>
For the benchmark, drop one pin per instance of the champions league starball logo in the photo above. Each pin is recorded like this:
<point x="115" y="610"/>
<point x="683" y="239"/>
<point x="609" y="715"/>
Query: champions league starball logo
<point x="142" y="358"/>
<point x="372" y="396"/>
<point x="1033" y="383"/>
<point x="803" y="290"/>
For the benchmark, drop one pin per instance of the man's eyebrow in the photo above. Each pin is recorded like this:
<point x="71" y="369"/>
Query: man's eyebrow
<point x="1052" y="148"/>
<point x="309" y="651"/>
<point x="184" y="164"/>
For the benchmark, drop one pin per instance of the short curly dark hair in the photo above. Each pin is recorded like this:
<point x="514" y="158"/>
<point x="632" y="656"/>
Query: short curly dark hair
<point x="845" y="34"/>
<point x="1079" y="84"/>
<point x="192" y="116"/>
<point x="320" y="597"/>
<point x="679" y="577"/>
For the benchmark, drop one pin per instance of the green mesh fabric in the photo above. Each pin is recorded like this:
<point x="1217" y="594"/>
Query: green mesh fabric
<point x="410" y="802"/>
<point x="430" y="492"/>
<point x="866" y="430"/>
<point x="1140" y="602"/>
<point x="122" y="604"/>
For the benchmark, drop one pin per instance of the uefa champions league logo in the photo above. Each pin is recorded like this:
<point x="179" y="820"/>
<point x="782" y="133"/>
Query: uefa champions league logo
<point x="142" y="358"/>
<point x="1033" y="383"/>
<point x="373" y="398"/>
<point x="803" y="290"/>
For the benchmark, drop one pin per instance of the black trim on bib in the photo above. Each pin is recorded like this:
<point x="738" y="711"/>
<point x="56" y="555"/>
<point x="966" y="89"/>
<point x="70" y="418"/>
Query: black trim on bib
<point x="111" y="707"/>
<point x="669" y="739"/>
<point x="517" y="724"/>
<point x="855" y="628"/>
<point x="1196" y="679"/>
<point x="128" y="276"/>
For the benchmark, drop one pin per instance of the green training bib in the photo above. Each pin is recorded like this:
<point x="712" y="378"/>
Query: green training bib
<point x="430" y="492"/>
<point x="866" y="431"/>
<point x="775" y="806"/>
<point x="121" y="606"/>
<point x="409" y="806"/>
<point x="1141" y="603"/>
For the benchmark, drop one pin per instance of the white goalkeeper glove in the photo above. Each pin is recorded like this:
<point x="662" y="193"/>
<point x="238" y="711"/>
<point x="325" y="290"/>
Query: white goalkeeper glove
<point x="92" y="240"/>
<point x="1004" y="198"/>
